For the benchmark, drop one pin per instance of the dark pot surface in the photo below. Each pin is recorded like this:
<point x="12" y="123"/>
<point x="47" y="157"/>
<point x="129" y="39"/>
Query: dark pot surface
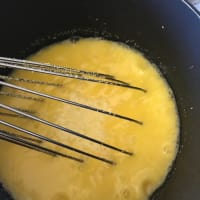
<point x="166" y="31"/>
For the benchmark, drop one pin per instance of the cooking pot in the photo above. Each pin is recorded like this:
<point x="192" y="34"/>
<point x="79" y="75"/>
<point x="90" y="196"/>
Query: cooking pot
<point x="165" y="31"/>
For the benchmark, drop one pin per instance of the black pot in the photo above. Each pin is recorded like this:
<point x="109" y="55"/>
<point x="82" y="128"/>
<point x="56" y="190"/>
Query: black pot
<point x="167" y="32"/>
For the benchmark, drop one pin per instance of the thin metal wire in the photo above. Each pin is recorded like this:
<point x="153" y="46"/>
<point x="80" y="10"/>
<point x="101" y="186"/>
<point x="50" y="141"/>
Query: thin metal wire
<point x="4" y="135"/>
<point x="61" y="69"/>
<point x="43" y="138"/>
<point x="16" y="115"/>
<point x="6" y="107"/>
<point x="58" y="71"/>
<point x="24" y="137"/>
<point x="69" y="102"/>
<point x="112" y="81"/>
<point x="66" y="69"/>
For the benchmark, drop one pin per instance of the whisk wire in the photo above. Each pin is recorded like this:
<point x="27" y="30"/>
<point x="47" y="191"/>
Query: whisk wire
<point x="63" y="129"/>
<point x="43" y="138"/>
<point x="68" y="74"/>
<point x="69" y="102"/>
<point x="31" y="140"/>
<point x="4" y="135"/>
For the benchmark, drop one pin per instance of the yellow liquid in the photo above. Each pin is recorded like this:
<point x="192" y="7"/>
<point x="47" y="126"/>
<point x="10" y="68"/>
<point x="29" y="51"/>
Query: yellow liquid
<point x="30" y="175"/>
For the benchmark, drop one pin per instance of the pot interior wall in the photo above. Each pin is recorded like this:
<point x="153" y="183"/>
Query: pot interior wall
<point x="167" y="32"/>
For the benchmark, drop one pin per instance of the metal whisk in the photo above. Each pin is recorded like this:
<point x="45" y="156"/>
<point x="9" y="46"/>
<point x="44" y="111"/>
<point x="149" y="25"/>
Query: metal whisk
<point x="33" y="140"/>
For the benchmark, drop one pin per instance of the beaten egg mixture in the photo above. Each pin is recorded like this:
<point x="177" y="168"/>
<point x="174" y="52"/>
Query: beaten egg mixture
<point x="31" y="175"/>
